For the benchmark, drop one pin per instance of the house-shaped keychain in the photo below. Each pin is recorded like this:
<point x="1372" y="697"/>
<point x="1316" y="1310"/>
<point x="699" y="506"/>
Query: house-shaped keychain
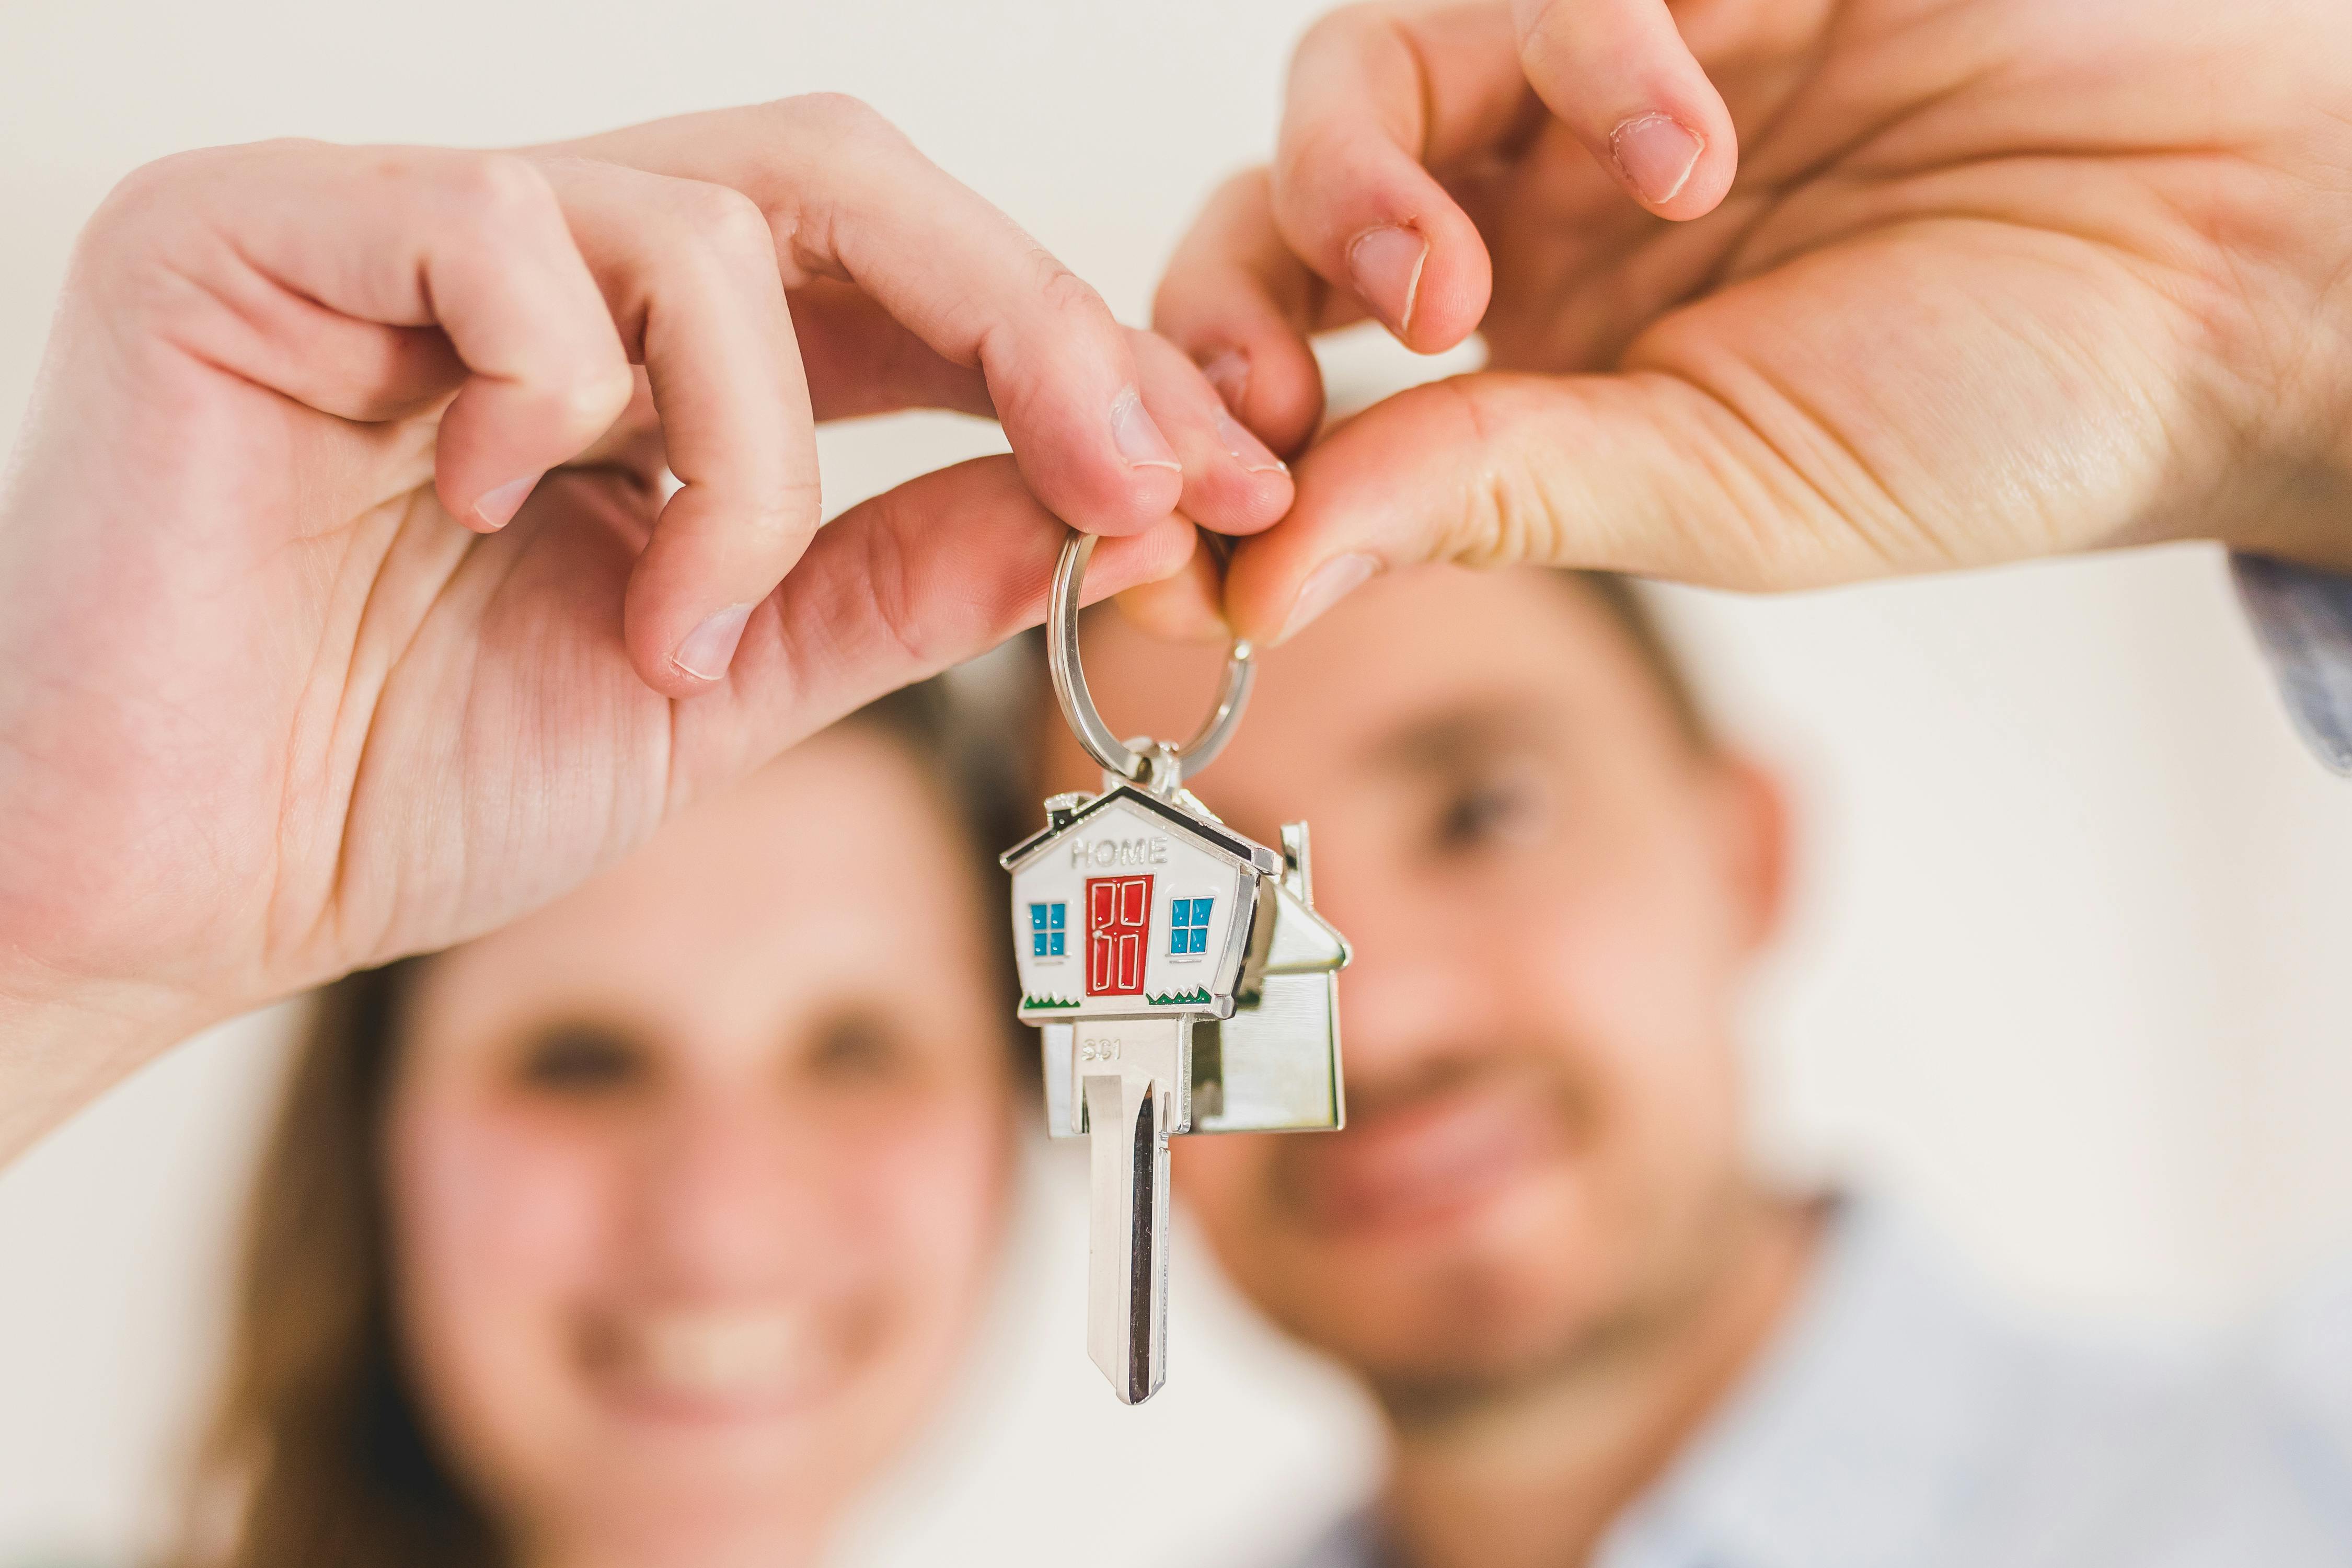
<point x="1182" y="983"/>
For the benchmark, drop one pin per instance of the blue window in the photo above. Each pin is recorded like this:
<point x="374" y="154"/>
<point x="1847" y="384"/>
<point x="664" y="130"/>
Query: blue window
<point x="1188" y="925"/>
<point x="1049" y="930"/>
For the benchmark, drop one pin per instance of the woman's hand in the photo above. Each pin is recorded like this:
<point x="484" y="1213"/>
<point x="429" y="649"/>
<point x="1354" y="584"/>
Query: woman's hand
<point x="1977" y="282"/>
<point x="342" y="611"/>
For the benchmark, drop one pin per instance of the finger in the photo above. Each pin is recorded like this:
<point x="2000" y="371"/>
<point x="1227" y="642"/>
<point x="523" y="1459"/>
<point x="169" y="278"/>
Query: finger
<point x="1232" y="482"/>
<point x="894" y="589"/>
<point x="862" y="359"/>
<point x="1618" y="75"/>
<point x="849" y="198"/>
<point x="1241" y="304"/>
<point x="1644" y="473"/>
<point x="471" y="245"/>
<point x="688" y="273"/>
<point x="1187" y="606"/>
<point x="1376" y="99"/>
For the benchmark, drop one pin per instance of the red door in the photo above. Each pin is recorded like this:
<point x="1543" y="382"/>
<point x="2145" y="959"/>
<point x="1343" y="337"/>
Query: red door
<point x="1119" y="915"/>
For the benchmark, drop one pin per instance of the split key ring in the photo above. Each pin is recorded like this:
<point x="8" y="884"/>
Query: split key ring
<point x="1161" y="767"/>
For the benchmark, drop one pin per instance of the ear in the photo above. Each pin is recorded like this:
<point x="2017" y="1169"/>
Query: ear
<point x="1758" y="842"/>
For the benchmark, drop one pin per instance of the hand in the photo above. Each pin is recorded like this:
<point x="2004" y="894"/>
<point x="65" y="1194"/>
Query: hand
<point x="297" y="679"/>
<point x="1977" y="282"/>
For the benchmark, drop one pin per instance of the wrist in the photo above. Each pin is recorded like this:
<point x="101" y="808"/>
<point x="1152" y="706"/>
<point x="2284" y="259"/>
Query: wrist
<point x="62" y="1045"/>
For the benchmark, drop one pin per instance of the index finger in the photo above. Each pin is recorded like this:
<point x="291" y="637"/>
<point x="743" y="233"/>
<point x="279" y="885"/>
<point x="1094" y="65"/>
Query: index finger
<point x="847" y="196"/>
<point x="1383" y="100"/>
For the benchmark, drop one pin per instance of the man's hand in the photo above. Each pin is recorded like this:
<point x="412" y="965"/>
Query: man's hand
<point x="1978" y="281"/>
<point x="344" y="612"/>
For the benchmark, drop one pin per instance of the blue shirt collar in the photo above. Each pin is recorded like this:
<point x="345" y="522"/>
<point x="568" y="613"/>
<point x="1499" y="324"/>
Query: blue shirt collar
<point x="1858" y="1437"/>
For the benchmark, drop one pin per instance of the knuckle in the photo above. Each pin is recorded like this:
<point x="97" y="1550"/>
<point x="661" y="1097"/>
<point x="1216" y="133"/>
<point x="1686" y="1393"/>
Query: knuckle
<point x="730" y="228"/>
<point x="1343" y="28"/>
<point x="597" y="391"/>
<point x="1063" y="290"/>
<point x="890" y="577"/>
<point x="840" y="119"/>
<point x="1543" y="17"/>
<point x="139" y="251"/>
<point x="789" y="515"/>
<point x="172" y="190"/>
<point x="491" y="189"/>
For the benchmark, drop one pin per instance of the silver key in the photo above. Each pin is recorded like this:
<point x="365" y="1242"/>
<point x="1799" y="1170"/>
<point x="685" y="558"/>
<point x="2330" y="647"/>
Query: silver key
<point x="1182" y="981"/>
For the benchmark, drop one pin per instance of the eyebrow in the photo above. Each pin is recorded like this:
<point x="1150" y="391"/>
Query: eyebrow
<point x="1441" y="741"/>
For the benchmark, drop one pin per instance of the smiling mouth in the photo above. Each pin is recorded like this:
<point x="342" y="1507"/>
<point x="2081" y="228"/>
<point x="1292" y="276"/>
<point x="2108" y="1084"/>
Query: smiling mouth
<point x="712" y="1363"/>
<point x="1429" y="1161"/>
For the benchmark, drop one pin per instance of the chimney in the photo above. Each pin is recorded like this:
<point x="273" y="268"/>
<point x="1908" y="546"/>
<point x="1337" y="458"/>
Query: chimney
<point x="1296" y="874"/>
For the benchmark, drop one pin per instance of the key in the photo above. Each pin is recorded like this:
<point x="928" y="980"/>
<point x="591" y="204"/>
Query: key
<point x="1128" y="1088"/>
<point x="1181" y="981"/>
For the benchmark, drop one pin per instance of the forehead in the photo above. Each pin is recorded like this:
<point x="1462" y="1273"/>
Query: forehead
<point x="804" y="865"/>
<point x="1420" y="653"/>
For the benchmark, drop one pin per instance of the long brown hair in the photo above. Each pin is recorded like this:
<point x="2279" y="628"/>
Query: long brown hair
<point x="318" y="1454"/>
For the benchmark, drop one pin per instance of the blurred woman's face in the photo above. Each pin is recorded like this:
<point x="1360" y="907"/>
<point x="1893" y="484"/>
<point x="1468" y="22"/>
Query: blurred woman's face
<point x="695" y="1176"/>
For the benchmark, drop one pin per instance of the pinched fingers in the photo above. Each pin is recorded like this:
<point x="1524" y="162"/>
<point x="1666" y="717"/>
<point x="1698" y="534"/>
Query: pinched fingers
<point x="848" y="198"/>
<point x="1385" y="103"/>
<point x="897" y="588"/>
<point x="1241" y="303"/>
<point x="689" y="271"/>
<point x="1232" y="481"/>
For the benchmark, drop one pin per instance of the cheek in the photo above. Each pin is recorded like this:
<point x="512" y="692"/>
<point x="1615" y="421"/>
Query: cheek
<point x="923" y="1189"/>
<point x="1637" y="972"/>
<point x="497" y="1225"/>
<point x="1224" y="1181"/>
<point x="1641" y="953"/>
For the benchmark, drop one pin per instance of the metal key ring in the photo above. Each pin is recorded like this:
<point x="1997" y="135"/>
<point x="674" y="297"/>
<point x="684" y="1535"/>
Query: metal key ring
<point x="1180" y="762"/>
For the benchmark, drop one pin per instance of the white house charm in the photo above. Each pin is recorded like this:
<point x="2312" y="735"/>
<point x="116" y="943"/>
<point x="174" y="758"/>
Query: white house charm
<point x="1181" y="980"/>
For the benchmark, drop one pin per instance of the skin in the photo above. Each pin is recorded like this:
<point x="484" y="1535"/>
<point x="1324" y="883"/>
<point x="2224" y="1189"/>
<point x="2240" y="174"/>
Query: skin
<point x="1947" y="284"/>
<point x="1537" y="1237"/>
<point x="695" y="1198"/>
<point x="294" y="687"/>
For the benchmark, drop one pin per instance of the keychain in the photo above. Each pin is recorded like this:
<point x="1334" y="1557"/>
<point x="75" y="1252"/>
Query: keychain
<point x="1180" y="979"/>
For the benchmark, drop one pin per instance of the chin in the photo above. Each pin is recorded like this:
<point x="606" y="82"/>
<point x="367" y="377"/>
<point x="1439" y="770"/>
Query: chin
<point x="1512" y="1290"/>
<point x="1469" y="1327"/>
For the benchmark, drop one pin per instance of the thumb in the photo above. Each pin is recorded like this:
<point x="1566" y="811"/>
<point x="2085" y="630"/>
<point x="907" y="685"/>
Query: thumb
<point x="1619" y="76"/>
<point x="1644" y="473"/>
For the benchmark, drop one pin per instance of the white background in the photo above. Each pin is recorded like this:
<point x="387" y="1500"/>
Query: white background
<point x="2070" y="967"/>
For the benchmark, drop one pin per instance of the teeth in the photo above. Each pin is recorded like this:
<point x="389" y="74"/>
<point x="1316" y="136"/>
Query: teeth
<point x="722" y="1352"/>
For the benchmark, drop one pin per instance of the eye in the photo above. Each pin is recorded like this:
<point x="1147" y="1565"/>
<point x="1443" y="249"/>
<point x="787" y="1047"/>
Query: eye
<point x="581" y="1059"/>
<point x="856" y="1045"/>
<point x="1496" y="810"/>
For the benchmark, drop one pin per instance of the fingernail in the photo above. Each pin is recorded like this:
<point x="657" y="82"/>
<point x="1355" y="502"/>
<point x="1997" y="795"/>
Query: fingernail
<point x="1138" y="437"/>
<point x="1384" y="265"/>
<point x="1331" y="582"/>
<point x="1657" y="154"/>
<point x="1228" y="373"/>
<point x="709" y="648"/>
<point x="496" y="508"/>
<point x="1248" y="451"/>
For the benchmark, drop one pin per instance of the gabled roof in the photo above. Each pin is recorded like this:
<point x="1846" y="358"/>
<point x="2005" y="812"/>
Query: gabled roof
<point x="1211" y="835"/>
<point x="1304" y="942"/>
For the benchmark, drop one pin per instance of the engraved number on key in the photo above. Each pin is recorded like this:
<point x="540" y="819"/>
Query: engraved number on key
<point x="1104" y="1050"/>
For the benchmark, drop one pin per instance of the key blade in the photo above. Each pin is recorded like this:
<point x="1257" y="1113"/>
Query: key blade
<point x="1127" y="1253"/>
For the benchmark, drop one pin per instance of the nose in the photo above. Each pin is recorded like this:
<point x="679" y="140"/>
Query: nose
<point x="726" y="1200"/>
<point x="1411" y="999"/>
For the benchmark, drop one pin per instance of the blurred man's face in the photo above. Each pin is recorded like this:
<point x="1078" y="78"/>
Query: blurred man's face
<point x="1553" y="896"/>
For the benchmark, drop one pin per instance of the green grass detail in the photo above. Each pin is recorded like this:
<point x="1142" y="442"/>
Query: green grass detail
<point x="1048" y="1002"/>
<point x="1181" y="999"/>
